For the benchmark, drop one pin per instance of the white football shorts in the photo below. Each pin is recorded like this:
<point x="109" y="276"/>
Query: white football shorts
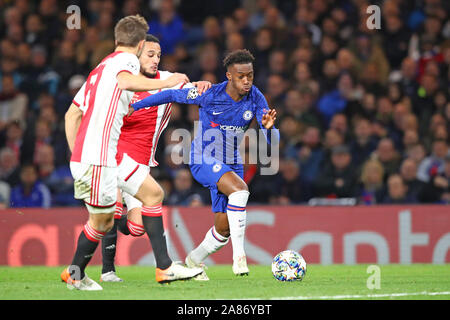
<point x="131" y="175"/>
<point x="96" y="186"/>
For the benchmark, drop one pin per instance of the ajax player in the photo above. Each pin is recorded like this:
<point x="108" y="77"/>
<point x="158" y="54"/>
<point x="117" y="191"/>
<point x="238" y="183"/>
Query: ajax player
<point x="136" y="154"/>
<point x="93" y="125"/>
<point x="226" y="111"/>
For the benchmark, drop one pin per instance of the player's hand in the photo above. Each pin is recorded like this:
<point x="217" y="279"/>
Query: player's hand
<point x="176" y="78"/>
<point x="268" y="119"/>
<point x="202" y="86"/>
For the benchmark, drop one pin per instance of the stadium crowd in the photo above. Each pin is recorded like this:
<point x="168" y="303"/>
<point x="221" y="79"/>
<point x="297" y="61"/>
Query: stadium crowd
<point x="363" y="113"/>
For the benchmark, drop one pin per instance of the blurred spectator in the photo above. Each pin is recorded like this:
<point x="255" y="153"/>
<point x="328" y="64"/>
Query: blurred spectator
<point x="438" y="188"/>
<point x="338" y="99"/>
<point x="41" y="77"/>
<point x="339" y="123"/>
<point x="363" y="143"/>
<point x="310" y="154"/>
<point x="300" y="104"/>
<point x="397" y="191"/>
<point x="408" y="171"/>
<point x="92" y="50"/>
<point x="395" y="40"/>
<point x="434" y="163"/>
<point x="13" y="103"/>
<point x="339" y="179"/>
<point x="168" y="27"/>
<point x="388" y="156"/>
<point x="30" y="192"/>
<point x="290" y="187"/>
<point x="371" y="188"/>
<point x="58" y="179"/>
<point x="5" y="192"/>
<point x="368" y="53"/>
<point x="9" y="167"/>
<point x="14" y="140"/>
<point x="183" y="193"/>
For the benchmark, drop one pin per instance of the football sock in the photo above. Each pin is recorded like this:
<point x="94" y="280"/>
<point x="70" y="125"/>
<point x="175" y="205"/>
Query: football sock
<point x="212" y="242"/>
<point x="122" y="224"/>
<point x="153" y="225"/>
<point x="109" y="242"/>
<point x="87" y="243"/>
<point x="237" y="215"/>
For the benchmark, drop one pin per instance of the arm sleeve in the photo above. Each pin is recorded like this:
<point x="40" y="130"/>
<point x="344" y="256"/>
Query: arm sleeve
<point x="185" y="96"/>
<point x="263" y="108"/>
<point x="78" y="100"/>
<point x="126" y="62"/>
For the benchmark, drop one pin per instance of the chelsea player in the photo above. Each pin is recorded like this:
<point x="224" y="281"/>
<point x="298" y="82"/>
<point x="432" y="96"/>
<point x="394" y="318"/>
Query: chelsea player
<point x="226" y="111"/>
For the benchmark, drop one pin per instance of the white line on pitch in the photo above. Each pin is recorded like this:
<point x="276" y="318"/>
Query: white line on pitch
<point x="359" y="296"/>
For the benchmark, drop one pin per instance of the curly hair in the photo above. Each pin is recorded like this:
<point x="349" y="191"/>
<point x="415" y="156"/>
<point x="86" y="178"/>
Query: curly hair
<point x="242" y="56"/>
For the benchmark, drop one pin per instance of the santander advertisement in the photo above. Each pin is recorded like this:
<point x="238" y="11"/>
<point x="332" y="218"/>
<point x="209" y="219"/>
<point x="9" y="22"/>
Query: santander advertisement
<point x="323" y="235"/>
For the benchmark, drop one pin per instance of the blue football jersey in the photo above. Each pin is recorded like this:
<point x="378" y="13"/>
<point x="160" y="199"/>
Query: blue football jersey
<point x="223" y="121"/>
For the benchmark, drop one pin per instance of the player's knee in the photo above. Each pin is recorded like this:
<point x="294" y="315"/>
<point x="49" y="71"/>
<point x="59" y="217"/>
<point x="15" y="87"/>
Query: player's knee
<point x="104" y="224"/>
<point x="159" y="194"/>
<point x="154" y="196"/>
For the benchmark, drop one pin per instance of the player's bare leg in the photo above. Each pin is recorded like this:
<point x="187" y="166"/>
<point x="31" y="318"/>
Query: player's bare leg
<point x="151" y="195"/>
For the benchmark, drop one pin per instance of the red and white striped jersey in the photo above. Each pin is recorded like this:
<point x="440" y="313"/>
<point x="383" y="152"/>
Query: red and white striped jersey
<point x="142" y="130"/>
<point x="104" y="106"/>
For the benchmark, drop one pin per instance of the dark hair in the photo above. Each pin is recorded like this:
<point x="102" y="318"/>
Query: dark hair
<point x="151" y="38"/>
<point x="238" y="57"/>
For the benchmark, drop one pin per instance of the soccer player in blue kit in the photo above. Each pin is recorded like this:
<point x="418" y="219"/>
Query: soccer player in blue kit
<point x="226" y="111"/>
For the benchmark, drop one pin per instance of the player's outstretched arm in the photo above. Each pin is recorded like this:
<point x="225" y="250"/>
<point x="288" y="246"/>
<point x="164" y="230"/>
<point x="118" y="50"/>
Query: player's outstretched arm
<point x="130" y="82"/>
<point x="185" y="96"/>
<point x="72" y="124"/>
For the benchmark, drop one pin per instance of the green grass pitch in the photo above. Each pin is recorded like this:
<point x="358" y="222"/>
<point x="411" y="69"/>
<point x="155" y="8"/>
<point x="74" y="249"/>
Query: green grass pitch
<point x="417" y="281"/>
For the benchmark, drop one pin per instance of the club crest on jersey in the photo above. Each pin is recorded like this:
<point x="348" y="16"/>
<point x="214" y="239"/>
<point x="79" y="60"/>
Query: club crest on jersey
<point x="192" y="94"/>
<point x="217" y="167"/>
<point x="247" y="115"/>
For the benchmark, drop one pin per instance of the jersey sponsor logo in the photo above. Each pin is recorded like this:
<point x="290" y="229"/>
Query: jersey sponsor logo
<point x="247" y="115"/>
<point x="192" y="94"/>
<point x="232" y="128"/>
<point x="216" y="113"/>
<point x="227" y="128"/>
<point x="213" y="124"/>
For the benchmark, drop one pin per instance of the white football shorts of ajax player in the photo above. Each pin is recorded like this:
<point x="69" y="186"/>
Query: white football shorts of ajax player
<point x="138" y="142"/>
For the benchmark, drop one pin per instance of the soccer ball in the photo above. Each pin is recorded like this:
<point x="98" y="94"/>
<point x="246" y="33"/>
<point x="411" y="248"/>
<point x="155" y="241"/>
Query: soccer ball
<point x="289" y="265"/>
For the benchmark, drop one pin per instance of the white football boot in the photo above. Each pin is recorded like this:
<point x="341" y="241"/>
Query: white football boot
<point x="176" y="272"/>
<point x="240" y="266"/>
<point x="191" y="264"/>
<point x="110" y="276"/>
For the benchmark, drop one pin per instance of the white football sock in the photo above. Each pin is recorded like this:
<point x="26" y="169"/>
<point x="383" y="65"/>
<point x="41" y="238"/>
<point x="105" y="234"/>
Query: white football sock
<point x="237" y="216"/>
<point x="212" y="242"/>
